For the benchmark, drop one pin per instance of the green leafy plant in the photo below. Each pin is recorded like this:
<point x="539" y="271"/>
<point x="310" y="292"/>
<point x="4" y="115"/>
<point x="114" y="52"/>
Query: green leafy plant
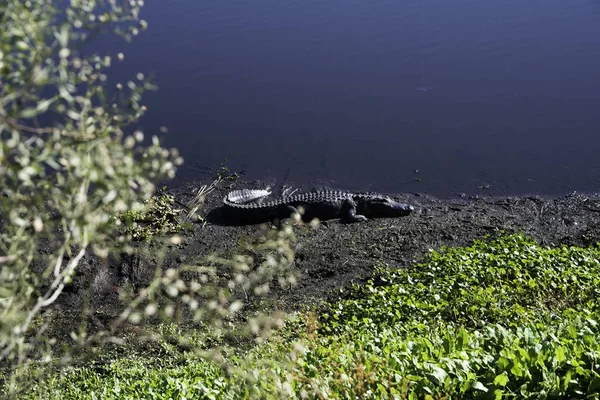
<point x="408" y="334"/>
<point x="502" y="318"/>
<point x="158" y="217"/>
<point x="509" y="279"/>
<point x="76" y="182"/>
<point x="67" y="163"/>
<point x="224" y="173"/>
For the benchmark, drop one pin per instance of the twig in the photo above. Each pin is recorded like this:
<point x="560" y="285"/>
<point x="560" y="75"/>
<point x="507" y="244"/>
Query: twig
<point x="25" y="128"/>
<point x="4" y="259"/>
<point x="195" y="204"/>
<point x="50" y="297"/>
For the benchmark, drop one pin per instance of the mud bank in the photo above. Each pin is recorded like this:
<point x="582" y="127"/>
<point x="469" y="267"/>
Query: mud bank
<point x="336" y="254"/>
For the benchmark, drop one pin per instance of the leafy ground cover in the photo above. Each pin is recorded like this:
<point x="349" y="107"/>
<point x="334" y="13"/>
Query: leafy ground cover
<point x="503" y="318"/>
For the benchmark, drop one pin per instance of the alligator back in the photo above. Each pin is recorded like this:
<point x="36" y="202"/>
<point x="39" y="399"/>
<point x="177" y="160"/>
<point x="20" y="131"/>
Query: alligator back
<point x="246" y="198"/>
<point x="251" y="205"/>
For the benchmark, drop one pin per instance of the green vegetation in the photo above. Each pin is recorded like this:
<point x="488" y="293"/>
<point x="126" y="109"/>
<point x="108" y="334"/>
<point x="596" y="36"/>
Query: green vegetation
<point x="157" y="217"/>
<point x="72" y="162"/>
<point x="224" y="173"/>
<point x="504" y="318"/>
<point x="67" y="163"/>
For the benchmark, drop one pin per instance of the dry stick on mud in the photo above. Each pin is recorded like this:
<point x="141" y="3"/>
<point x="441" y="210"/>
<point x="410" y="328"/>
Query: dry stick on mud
<point x="198" y="200"/>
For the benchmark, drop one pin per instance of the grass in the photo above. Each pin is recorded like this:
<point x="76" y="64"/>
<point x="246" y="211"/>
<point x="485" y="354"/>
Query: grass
<point x="503" y="318"/>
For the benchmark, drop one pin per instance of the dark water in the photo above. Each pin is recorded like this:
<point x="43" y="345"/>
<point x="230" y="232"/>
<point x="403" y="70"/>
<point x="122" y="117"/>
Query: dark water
<point x="361" y="93"/>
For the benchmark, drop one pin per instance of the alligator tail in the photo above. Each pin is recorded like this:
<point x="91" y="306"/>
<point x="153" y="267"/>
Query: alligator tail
<point x="245" y="196"/>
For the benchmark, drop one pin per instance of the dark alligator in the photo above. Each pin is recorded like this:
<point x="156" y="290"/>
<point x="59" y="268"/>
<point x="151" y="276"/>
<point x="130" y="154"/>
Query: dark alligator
<point x="325" y="204"/>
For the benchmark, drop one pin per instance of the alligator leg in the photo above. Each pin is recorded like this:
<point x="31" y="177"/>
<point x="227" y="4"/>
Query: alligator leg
<point x="349" y="212"/>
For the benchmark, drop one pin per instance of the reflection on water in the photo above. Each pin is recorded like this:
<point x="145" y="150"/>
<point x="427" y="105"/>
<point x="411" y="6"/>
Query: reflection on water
<point x="360" y="93"/>
<point x="427" y="88"/>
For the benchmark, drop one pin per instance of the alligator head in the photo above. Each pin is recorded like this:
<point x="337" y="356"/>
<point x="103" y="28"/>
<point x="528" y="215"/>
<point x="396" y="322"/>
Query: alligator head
<point x="384" y="207"/>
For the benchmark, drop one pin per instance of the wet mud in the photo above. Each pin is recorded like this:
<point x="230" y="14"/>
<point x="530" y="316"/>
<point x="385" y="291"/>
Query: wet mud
<point x="336" y="254"/>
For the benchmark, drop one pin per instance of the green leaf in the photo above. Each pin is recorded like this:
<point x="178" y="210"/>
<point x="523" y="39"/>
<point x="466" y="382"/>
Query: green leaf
<point x="29" y="112"/>
<point x="64" y="93"/>
<point x="22" y="45"/>
<point x="74" y="115"/>
<point x="559" y="354"/>
<point x="501" y="380"/>
<point x="437" y="376"/>
<point x="63" y="35"/>
<point x="43" y="105"/>
<point x="463" y="338"/>
<point x="479" y="386"/>
<point x="516" y="370"/>
<point x="39" y="75"/>
<point x="567" y="380"/>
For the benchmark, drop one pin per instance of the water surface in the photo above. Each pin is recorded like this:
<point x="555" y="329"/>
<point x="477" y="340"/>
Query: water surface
<point x="363" y="94"/>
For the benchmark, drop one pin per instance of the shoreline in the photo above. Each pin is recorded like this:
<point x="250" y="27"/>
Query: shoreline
<point x="335" y="254"/>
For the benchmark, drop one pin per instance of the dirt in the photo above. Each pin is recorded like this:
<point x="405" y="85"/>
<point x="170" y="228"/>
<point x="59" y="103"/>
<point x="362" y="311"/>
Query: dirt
<point x="336" y="254"/>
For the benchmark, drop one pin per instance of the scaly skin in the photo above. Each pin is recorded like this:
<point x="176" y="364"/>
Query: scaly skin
<point x="350" y="207"/>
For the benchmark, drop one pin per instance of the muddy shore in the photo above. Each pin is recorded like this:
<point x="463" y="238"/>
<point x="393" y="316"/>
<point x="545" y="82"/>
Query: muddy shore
<point x="336" y="254"/>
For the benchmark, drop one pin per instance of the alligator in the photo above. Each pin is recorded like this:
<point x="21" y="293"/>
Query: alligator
<point x="324" y="204"/>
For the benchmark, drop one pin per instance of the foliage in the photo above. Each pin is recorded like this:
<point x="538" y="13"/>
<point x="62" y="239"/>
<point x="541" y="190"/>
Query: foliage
<point x="76" y="180"/>
<point x="504" y="317"/>
<point x="199" y="306"/>
<point x="511" y="279"/>
<point x="158" y="217"/>
<point x="67" y="167"/>
<point x="224" y="173"/>
<point x="212" y="291"/>
<point x="462" y="324"/>
<point x="555" y="360"/>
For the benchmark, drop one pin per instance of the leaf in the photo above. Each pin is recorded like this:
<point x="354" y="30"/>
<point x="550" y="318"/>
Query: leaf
<point x="501" y="380"/>
<point x="479" y="386"/>
<point x="567" y="380"/>
<point x="39" y="75"/>
<point x="43" y="105"/>
<point x="594" y="385"/>
<point x="64" y="93"/>
<point x="497" y="394"/>
<point x="516" y="370"/>
<point x="438" y="375"/>
<point x="53" y="164"/>
<point x="559" y="354"/>
<point x="63" y="35"/>
<point x="29" y="112"/>
<point x="22" y="45"/>
<point x="463" y="338"/>
<point x="74" y="115"/>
